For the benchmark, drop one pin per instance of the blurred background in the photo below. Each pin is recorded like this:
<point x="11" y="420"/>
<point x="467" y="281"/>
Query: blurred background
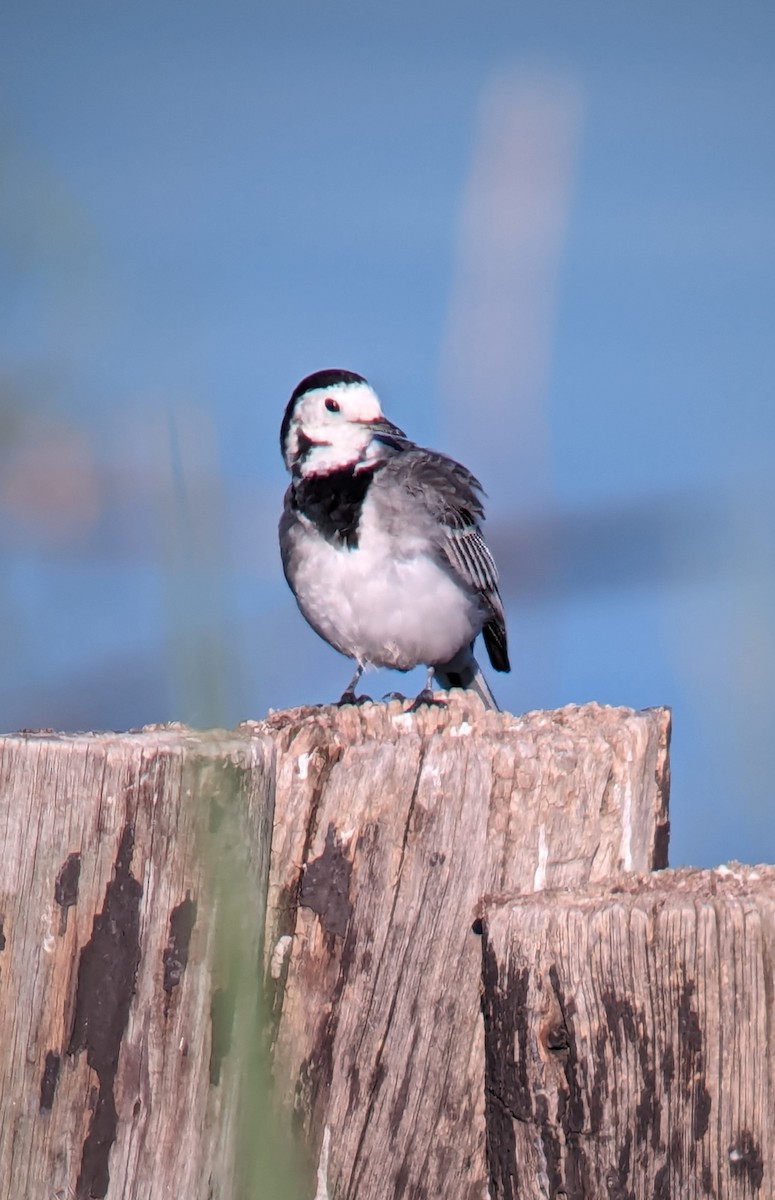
<point x="544" y="231"/>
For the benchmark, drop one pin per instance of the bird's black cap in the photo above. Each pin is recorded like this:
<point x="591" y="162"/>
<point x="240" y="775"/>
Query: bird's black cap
<point x="318" y="379"/>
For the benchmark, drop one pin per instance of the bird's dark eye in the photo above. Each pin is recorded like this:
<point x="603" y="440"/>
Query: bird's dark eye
<point x="332" y="405"/>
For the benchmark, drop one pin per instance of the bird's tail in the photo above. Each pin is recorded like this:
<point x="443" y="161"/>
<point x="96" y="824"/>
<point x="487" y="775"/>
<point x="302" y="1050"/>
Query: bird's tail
<point x="466" y="674"/>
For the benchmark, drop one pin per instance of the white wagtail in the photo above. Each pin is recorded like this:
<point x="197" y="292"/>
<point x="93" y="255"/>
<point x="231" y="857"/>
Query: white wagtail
<point x="380" y="541"/>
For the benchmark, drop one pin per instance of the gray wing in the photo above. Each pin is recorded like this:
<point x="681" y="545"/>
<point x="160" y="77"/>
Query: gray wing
<point x="451" y="496"/>
<point x="289" y="531"/>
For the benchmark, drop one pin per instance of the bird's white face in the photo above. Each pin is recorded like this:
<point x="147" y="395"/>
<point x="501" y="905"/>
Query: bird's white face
<point x="333" y="428"/>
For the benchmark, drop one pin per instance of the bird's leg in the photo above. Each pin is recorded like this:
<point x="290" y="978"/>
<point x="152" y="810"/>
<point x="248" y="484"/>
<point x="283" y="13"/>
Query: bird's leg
<point x="348" y="696"/>
<point x="426" y="696"/>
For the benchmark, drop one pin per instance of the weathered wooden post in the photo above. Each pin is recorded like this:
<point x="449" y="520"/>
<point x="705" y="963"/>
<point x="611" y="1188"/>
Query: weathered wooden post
<point x="629" y="1039"/>
<point x="390" y="827"/>
<point x="118" y="973"/>
<point x="122" y="943"/>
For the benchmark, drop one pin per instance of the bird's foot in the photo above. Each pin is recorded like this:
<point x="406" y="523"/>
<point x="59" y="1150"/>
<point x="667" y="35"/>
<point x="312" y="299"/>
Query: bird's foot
<point x="349" y="697"/>
<point x="394" y="696"/>
<point x="426" y="699"/>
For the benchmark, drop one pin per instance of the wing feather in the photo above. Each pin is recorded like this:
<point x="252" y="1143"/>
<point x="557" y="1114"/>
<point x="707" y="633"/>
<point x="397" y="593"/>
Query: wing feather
<point x="452" y="497"/>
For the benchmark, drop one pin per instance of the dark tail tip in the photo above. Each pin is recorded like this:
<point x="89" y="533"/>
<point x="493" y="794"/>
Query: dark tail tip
<point x="494" y="634"/>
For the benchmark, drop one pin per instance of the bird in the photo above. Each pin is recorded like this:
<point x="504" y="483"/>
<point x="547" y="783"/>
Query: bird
<point x="381" y="543"/>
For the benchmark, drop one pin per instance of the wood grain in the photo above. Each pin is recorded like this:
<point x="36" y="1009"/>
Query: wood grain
<point x="629" y="1039"/>
<point x="117" y="973"/>
<point x="389" y="829"/>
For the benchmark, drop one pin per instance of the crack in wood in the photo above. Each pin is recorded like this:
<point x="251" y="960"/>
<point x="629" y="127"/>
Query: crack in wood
<point x="502" y="1145"/>
<point x="106" y="980"/>
<point x="66" y="888"/>
<point x="693" y="1061"/>
<point x="175" y="955"/>
<point x="379" y="1072"/>
<point x="48" y="1081"/>
<point x="659" y="858"/>
<point x="327" y="894"/>
<point x="316" y="1071"/>
<point x="745" y="1160"/>
<point x="288" y="900"/>
<point x="332" y="757"/>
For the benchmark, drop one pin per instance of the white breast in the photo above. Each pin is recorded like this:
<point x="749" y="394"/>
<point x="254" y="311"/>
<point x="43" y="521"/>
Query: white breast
<point x="379" y="606"/>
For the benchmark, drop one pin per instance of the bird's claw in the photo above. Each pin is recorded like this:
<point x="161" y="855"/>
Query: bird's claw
<point x="349" y="697"/>
<point x="426" y="699"/>
<point x="394" y="696"/>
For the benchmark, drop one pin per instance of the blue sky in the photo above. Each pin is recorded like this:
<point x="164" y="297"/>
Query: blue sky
<point x="545" y="231"/>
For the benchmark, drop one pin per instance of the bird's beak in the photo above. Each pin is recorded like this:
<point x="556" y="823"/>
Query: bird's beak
<point x="385" y="430"/>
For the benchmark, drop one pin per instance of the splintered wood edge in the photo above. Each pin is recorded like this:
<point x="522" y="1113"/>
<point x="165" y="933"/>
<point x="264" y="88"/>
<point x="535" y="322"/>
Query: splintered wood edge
<point x="462" y="714"/>
<point x="733" y="879"/>
<point x="169" y="736"/>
